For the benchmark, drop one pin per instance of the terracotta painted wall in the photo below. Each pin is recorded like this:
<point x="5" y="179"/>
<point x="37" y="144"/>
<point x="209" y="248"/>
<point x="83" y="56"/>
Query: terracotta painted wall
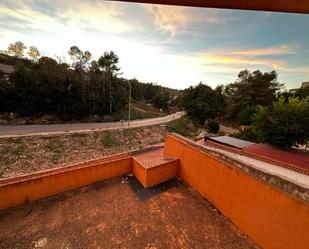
<point x="272" y="218"/>
<point x="150" y="177"/>
<point x="139" y="172"/>
<point x="161" y="173"/>
<point x="24" y="189"/>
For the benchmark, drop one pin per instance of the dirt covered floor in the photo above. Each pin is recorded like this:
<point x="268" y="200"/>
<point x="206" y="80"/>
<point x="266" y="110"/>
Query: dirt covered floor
<point x="120" y="213"/>
<point x="29" y="154"/>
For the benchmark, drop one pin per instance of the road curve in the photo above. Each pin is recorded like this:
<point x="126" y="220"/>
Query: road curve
<point x="52" y="129"/>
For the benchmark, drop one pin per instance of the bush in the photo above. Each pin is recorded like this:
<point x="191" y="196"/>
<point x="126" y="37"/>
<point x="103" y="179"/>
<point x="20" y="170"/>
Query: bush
<point x="244" y="117"/>
<point x="212" y="126"/>
<point x="182" y="126"/>
<point x="285" y="124"/>
<point x="247" y="133"/>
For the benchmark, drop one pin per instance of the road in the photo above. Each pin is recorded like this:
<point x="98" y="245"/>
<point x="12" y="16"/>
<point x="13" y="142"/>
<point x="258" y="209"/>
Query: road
<point x="52" y="129"/>
<point x="228" y="129"/>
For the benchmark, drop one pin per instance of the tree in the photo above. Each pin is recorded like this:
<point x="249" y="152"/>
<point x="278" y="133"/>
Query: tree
<point x="250" y="90"/>
<point x="200" y="103"/>
<point x="108" y="63"/>
<point x="81" y="60"/>
<point x="17" y="49"/>
<point x="160" y="100"/>
<point x="284" y="124"/>
<point x="34" y="53"/>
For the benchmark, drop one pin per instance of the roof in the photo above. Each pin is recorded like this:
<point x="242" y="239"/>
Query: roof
<point x="291" y="157"/>
<point x="305" y="84"/>
<point x="230" y="141"/>
<point x="296" y="6"/>
<point x="7" y="69"/>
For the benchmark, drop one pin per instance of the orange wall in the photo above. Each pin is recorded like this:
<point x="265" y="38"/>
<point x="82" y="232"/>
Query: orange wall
<point x="139" y="172"/>
<point x="161" y="173"/>
<point x="270" y="217"/>
<point x="24" y="189"/>
<point x="150" y="177"/>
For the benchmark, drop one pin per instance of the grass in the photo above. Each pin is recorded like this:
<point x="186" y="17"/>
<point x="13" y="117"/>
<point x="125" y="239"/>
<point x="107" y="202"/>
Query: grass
<point x="183" y="126"/>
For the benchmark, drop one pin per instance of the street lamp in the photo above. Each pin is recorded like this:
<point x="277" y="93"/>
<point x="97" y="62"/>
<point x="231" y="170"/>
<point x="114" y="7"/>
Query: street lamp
<point x="129" y="114"/>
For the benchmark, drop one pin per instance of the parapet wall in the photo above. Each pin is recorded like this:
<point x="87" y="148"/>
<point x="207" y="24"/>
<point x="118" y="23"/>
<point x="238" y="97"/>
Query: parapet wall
<point x="31" y="187"/>
<point x="271" y="217"/>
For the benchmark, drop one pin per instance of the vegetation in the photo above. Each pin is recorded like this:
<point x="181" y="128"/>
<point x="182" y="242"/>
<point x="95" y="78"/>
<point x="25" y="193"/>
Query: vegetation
<point x="212" y="126"/>
<point x="249" y="91"/>
<point x="25" y="155"/>
<point x="285" y="124"/>
<point x="201" y="102"/>
<point x="183" y="126"/>
<point x="87" y="87"/>
<point x="256" y="100"/>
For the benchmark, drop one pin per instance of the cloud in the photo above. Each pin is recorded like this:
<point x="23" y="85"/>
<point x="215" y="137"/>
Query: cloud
<point x="105" y="16"/>
<point x="276" y="50"/>
<point x="225" y="58"/>
<point x="175" y="19"/>
<point x="169" y="19"/>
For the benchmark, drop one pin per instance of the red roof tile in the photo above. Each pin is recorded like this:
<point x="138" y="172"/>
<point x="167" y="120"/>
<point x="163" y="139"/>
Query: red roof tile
<point x="293" y="158"/>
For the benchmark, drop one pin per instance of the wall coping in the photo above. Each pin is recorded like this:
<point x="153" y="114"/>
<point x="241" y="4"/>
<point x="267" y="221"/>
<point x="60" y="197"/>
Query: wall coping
<point x="279" y="183"/>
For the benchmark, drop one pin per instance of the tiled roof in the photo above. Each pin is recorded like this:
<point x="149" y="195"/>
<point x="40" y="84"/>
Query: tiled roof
<point x="294" y="158"/>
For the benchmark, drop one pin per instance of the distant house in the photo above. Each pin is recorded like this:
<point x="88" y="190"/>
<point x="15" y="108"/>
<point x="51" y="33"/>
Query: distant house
<point x="293" y="91"/>
<point x="305" y="84"/>
<point x="6" y="70"/>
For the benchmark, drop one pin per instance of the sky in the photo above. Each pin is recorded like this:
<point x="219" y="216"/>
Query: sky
<point x="169" y="45"/>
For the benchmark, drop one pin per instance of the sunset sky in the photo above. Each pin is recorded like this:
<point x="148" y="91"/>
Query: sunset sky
<point x="172" y="46"/>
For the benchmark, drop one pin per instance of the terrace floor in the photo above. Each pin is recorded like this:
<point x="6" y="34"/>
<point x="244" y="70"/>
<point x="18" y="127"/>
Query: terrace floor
<point x="120" y="213"/>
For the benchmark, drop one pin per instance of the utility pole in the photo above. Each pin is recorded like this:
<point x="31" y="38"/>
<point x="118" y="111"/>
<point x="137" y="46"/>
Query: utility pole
<point x="129" y="115"/>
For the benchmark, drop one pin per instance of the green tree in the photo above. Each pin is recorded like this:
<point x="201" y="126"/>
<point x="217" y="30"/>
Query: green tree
<point x="17" y="49"/>
<point x="80" y="62"/>
<point x="108" y="63"/>
<point x="161" y="99"/>
<point x="285" y="124"/>
<point x="200" y="103"/>
<point x="250" y="90"/>
<point x="81" y="59"/>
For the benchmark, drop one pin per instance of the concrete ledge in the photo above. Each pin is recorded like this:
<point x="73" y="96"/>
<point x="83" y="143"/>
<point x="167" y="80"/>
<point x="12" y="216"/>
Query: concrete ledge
<point x="150" y="176"/>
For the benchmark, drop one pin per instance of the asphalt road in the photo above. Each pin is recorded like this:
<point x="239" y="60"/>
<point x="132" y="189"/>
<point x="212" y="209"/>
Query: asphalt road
<point x="32" y="130"/>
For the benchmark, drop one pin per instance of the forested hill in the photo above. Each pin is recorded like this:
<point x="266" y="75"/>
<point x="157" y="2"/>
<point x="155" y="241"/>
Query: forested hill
<point x="44" y="85"/>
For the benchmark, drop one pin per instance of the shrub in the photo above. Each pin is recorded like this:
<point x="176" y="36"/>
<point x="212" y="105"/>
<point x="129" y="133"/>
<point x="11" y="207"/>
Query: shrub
<point x="285" y="124"/>
<point x="244" y="117"/>
<point x="182" y="126"/>
<point x="212" y="126"/>
<point x="247" y="133"/>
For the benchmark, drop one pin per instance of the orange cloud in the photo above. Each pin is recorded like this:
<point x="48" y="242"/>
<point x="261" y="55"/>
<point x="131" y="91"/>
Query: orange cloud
<point x="225" y="59"/>
<point x="277" y="50"/>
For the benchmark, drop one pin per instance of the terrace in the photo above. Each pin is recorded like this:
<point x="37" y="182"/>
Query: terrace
<point x="120" y="213"/>
<point x="185" y="195"/>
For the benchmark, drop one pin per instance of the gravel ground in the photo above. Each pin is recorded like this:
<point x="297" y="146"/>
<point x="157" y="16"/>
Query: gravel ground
<point x="120" y="213"/>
